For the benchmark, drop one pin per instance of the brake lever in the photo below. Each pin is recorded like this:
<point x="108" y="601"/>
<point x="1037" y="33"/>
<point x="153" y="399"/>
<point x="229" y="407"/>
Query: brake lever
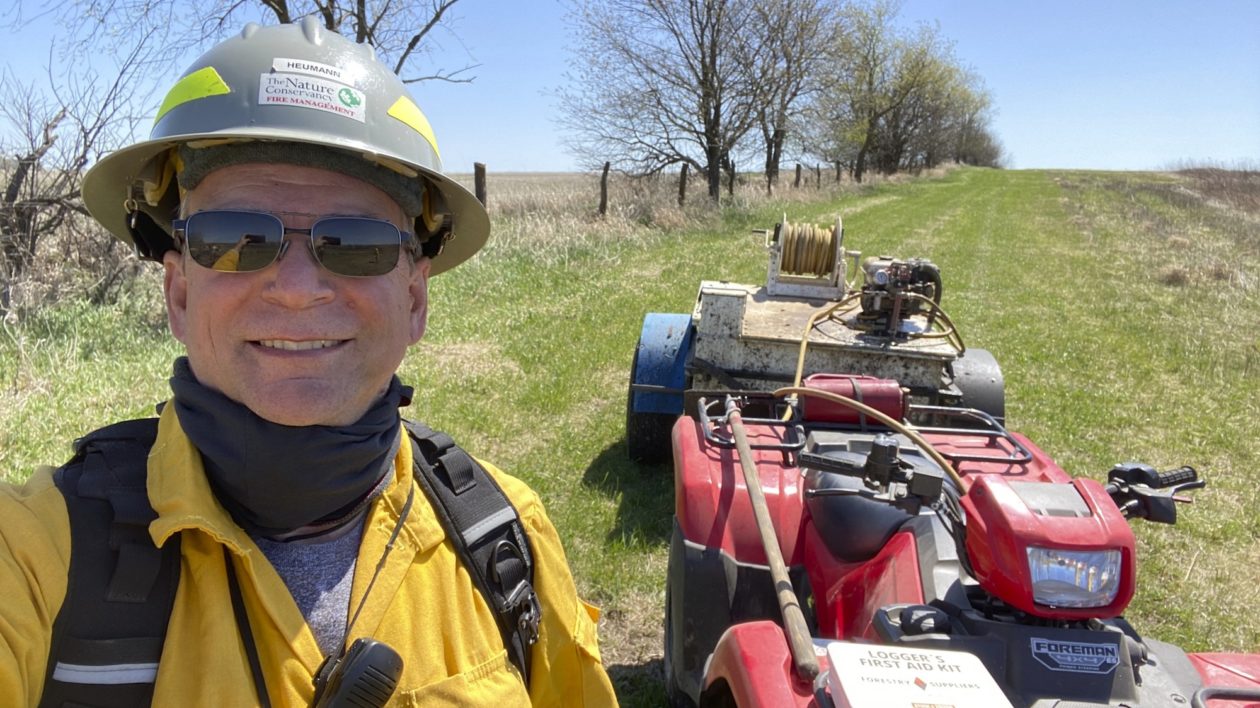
<point x="1175" y="491"/>
<point x="1155" y="505"/>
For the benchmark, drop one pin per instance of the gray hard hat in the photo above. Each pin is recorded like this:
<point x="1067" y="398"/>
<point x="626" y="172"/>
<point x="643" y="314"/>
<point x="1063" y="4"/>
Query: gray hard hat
<point x="297" y="83"/>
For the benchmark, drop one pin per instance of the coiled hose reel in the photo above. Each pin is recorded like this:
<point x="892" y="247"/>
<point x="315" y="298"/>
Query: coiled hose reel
<point x="808" y="249"/>
<point x="807" y="260"/>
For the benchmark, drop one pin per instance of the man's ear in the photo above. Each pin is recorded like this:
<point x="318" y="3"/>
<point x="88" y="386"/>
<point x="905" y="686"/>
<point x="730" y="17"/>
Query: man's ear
<point x="418" y="286"/>
<point x="175" y="289"/>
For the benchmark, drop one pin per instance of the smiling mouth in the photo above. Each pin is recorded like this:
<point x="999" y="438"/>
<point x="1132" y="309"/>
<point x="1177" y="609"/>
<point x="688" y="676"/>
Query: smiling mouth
<point x="292" y="346"/>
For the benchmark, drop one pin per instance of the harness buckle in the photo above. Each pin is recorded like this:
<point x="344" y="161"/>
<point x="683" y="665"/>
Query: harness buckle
<point x="521" y="600"/>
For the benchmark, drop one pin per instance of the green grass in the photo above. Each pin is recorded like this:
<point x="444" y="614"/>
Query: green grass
<point x="1122" y="312"/>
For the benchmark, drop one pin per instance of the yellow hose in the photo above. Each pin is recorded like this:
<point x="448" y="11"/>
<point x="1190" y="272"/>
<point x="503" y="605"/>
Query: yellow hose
<point x="807" y="249"/>
<point x="936" y="314"/>
<point x="809" y="327"/>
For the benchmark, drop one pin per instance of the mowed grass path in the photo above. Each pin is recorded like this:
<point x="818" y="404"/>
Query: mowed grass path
<point x="1063" y="276"/>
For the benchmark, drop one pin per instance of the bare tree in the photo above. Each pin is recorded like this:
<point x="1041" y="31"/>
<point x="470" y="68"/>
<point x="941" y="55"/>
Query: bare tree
<point x="659" y="83"/>
<point x="405" y="32"/>
<point x="786" y="47"/>
<point x="50" y="139"/>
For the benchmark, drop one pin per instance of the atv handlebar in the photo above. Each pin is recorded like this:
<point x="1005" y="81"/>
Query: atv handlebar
<point x="1142" y="492"/>
<point x="1145" y="475"/>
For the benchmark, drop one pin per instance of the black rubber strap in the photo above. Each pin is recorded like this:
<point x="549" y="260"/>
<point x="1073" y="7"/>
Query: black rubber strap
<point x="120" y="587"/>
<point x="486" y="532"/>
<point x="247" y="634"/>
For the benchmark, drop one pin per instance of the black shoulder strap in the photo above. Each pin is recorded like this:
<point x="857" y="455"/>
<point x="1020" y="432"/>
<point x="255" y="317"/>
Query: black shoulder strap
<point x="107" y="638"/>
<point x="486" y="532"/>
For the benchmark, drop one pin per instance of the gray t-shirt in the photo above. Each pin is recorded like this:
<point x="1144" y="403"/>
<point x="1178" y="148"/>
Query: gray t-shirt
<point x="319" y="572"/>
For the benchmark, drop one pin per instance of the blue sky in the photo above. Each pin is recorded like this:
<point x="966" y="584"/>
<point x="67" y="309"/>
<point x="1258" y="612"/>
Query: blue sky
<point x="1102" y="85"/>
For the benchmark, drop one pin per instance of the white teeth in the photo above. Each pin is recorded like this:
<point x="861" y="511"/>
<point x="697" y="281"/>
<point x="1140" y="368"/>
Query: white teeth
<point x="297" y="346"/>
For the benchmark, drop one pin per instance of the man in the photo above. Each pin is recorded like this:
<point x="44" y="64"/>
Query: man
<point x="291" y="190"/>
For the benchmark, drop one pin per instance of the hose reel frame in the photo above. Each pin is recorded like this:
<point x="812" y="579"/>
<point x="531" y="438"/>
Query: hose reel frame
<point x="807" y="261"/>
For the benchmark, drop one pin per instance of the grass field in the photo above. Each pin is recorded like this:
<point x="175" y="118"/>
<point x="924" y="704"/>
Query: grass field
<point x="1122" y="307"/>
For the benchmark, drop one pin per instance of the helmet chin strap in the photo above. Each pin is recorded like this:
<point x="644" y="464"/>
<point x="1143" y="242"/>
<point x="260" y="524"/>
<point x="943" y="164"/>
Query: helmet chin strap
<point x="150" y="240"/>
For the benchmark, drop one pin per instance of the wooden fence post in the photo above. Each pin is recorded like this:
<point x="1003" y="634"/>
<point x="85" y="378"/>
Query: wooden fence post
<point x="797" y="184"/>
<point x="479" y="181"/>
<point x="603" y="190"/>
<point x="818" y="175"/>
<point x="682" y="186"/>
<point x="837" y="171"/>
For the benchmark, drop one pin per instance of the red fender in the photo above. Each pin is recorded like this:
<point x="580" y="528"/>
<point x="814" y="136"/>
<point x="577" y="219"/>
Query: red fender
<point x="755" y="663"/>
<point x="1229" y="671"/>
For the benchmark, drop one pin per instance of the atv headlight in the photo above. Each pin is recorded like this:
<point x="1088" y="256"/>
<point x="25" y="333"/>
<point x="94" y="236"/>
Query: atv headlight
<point x="1062" y="578"/>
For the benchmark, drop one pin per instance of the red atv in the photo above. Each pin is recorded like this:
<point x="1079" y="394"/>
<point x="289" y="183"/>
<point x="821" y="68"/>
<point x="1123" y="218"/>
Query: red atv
<point x="962" y="537"/>
<point x="877" y="537"/>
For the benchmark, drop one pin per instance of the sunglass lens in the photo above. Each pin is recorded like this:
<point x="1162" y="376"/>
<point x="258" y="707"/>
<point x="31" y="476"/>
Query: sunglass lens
<point x="233" y="240"/>
<point x="356" y="246"/>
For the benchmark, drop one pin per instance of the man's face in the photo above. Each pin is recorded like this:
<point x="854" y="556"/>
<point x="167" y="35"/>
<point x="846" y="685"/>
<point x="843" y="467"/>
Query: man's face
<point x="295" y="343"/>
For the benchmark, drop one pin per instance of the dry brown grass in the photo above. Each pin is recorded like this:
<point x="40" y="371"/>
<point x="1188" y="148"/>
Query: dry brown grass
<point x="1237" y="189"/>
<point x="550" y="216"/>
<point x="1203" y="224"/>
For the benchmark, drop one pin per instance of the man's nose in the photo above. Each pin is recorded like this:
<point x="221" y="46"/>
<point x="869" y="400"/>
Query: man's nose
<point x="297" y="280"/>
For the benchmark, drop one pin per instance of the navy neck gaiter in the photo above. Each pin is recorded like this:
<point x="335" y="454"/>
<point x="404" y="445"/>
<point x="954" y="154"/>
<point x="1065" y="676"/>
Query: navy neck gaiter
<point x="275" y="478"/>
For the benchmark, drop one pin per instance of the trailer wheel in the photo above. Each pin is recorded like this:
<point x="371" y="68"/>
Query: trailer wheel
<point x="658" y="377"/>
<point x="647" y="434"/>
<point x="979" y="377"/>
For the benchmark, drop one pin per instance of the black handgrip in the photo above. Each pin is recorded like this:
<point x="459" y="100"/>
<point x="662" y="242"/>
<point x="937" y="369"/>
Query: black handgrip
<point x="1180" y="475"/>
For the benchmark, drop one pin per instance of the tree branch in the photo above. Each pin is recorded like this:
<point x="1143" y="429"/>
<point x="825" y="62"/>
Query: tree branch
<point x="278" y="7"/>
<point x="416" y="38"/>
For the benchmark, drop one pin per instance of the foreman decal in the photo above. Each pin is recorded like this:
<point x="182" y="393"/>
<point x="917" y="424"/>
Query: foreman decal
<point x="1077" y="657"/>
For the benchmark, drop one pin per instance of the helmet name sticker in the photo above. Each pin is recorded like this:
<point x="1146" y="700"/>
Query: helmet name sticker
<point x="305" y="91"/>
<point x="311" y="68"/>
<point x="1076" y="657"/>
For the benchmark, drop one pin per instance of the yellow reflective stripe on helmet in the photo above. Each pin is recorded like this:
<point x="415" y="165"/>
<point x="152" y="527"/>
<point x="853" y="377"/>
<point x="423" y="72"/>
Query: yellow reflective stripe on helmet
<point x="199" y="84"/>
<point x="405" y="110"/>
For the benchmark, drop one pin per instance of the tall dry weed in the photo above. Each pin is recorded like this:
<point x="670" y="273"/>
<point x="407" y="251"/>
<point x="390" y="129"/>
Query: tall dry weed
<point x="1237" y="189"/>
<point x="1202" y="224"/>
<point x="78" y="261"/>
<point x="550" y="217"/>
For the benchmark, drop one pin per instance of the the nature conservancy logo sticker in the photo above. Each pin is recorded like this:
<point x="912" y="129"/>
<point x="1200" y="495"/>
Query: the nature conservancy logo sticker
<point x="311" y="91"/>
<point x="1076" y="657"/>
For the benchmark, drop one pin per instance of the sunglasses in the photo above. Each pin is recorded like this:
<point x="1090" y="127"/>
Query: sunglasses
<point x="247" y="241"/>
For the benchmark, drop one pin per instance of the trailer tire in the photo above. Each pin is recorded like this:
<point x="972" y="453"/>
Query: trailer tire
<point x="658" y="378"/>
<point x="979" y="377"/>
<point x="648" y="438"/>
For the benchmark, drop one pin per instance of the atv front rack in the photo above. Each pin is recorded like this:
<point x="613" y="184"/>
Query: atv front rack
<point x="792" y="439"/>
<point x="994" y="431"/>
<point x="780" y="415"/>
